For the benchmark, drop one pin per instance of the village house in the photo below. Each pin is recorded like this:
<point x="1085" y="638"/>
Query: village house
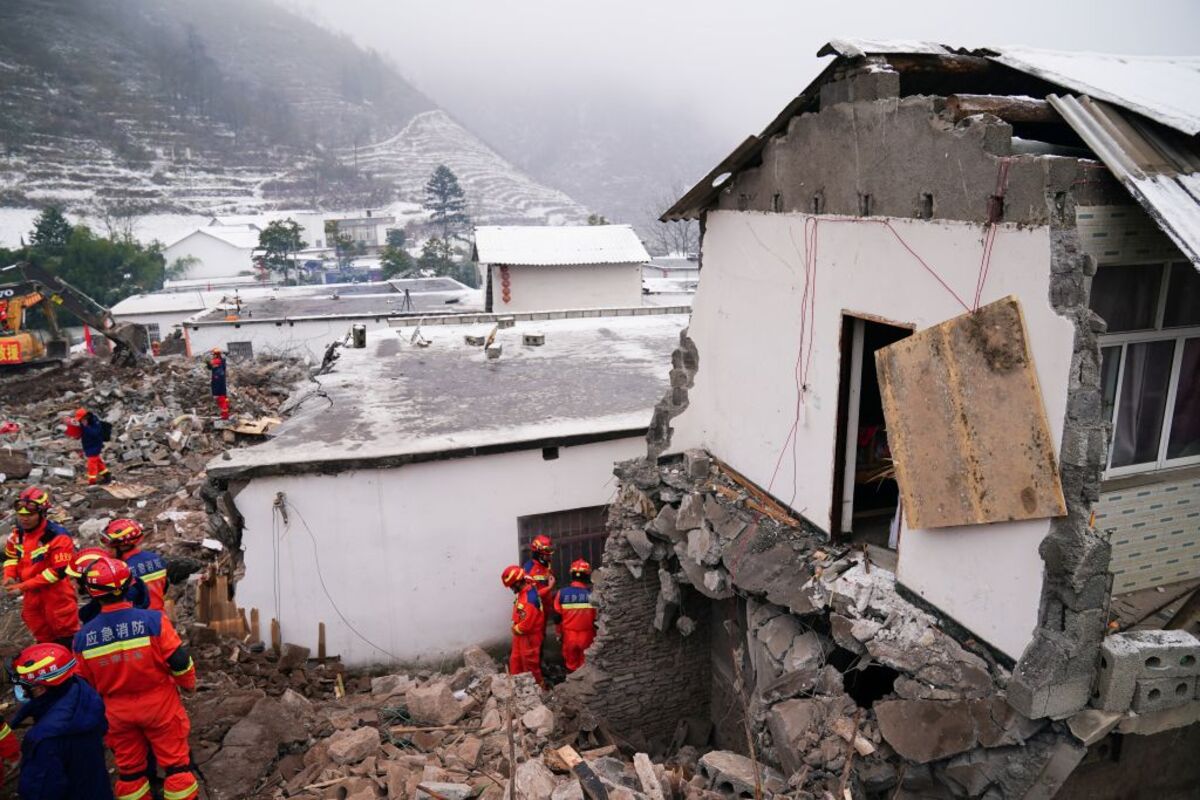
<point x="935" y="425"/>
<point x="541" y="268"/>
<point x="411" y="474"/>
<point x="216" y="251"/>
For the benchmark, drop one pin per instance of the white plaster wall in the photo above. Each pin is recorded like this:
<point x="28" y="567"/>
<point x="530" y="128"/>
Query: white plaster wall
<point x="218" y="259"/>
<point x="411" y="556"/>
<point x="746" y="326"/>
<point x="166" y="320"/>
<point x="574" y="286"/>
<point x="301" y="339"/>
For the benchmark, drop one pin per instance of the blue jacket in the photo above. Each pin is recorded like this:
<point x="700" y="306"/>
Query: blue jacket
<point x="93" y="435"/>
<point x="217" y="367"/>
<point x="62" y="755"/>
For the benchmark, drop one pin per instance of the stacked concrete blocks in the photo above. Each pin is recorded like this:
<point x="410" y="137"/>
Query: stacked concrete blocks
<point x="1147" y="671"/>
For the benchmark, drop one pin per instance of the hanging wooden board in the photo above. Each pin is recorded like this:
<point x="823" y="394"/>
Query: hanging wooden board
<point x="966" y="424"/>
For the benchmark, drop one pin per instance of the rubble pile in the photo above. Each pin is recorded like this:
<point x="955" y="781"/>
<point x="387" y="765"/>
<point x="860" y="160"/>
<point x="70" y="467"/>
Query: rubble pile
<point x="477" y="732"/>
<point x="847" y="686"/>
<point x="163" y="435"/>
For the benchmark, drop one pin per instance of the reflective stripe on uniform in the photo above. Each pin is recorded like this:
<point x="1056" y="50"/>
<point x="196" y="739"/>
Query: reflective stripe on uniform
<point x="5" y="731"/>
<point x="11" y="562"/>
<point x="190" y="666"/>
<point x="141" y="791"/>
<point x="50" y="575"/>
<point x="154" y="576"/>
<point x="116" y="647"/>
<point x="41" y="551"/>
<point x="180" y="794"/>
<point x="577" y="605"/>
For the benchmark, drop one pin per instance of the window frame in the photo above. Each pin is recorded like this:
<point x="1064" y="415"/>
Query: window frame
<point x="1179" y="337"/>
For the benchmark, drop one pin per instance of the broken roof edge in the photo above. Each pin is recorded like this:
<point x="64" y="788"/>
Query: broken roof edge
<point x="333" y="466"/>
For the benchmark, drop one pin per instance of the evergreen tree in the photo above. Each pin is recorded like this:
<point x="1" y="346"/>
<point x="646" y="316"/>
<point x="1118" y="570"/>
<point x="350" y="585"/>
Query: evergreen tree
<point x="597" y="219"/>
<point x="50" y="231"/>
<point x="396" y="237"/>
<point x="280" y="240"/>
<point x="446" y="202"/>
<point x="397" y="263"/>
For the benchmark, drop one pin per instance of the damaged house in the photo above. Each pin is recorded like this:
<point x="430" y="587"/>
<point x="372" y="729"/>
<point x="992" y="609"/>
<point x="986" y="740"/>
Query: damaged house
<point x="932" y="435"/>
<point x="375" y="524"/>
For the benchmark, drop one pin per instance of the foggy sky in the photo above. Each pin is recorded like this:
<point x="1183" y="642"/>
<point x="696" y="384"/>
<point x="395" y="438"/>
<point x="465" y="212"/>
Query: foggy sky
<point x="734" y="63"/>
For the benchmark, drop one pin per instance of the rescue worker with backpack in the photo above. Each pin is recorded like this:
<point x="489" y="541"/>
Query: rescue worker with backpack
<point x="92" y="432"/>
<point x="528" y="624"/>
<point x="537" y="570"/>
<point x="573" y="604"/>
<point x="138" y="664"/>
<point x="36" y="557"/>
<point x="62" y="755"/>
<point x="217" y="368"/>
<point x="123" y="537"/>
<point x="137" y="593"/>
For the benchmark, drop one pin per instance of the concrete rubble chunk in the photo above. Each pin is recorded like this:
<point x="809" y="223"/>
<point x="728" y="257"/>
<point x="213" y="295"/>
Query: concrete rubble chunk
<point x="640" y="543"/>
<point x="664" y="524"/>
<point x="476" y="659"/>
<point x="779" y="634"/>
<point x="926" y="730"/>
<point x="795" y="727"/>
<point x="1157" y="694"/>
<point x="703" y="546"/>
<point x="691" y="511"/>
<point x="292" y="656"/>
<point x="534" y="779"/>
<point x="352" y="746"/>
<point x="735" y="774"/>
<point x="443" y="791"/>
<point x="1127" y="658"/>
<point x="539" y="719"/>
<point x="435" y="705"/>
<point x="390" y="685"/>
<point x="1092" y="724"/>
<point x="697" y="464"/>
<point x="808" y="651"/>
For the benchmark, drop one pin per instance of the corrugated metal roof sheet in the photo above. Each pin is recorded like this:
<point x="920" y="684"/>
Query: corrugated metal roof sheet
<point x="544" y="245"/>
<point x="858" y="48"/>
<point x="1165" y="89"/>
<point x="1160" y="168"/>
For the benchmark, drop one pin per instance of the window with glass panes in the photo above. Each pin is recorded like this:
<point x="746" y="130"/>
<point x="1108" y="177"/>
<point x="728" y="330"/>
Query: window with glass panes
<point x="1150" y="369"/>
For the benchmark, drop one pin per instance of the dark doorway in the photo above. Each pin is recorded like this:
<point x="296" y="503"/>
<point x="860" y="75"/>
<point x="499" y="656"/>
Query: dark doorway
<point x="865" y="496"/>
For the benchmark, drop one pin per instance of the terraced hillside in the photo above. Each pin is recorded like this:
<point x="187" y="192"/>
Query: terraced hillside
<point x="220" y="107"/>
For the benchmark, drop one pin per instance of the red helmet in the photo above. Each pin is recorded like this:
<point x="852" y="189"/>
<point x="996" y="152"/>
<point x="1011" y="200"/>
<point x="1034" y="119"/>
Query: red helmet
<point x="122" y="534"/>
<point x="512" y="576"/>
<point x="33" y="501"/>
<point x="83" y="559"/>
<point x="580" y="568"/>
<point x="80" y="413"/>
<point x="43" y="665"/>
<point x="107" y="577"/>
<point x="541" y="544"/>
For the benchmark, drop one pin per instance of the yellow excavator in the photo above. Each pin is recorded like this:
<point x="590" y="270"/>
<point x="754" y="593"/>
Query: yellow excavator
<point x="40" y="289"/>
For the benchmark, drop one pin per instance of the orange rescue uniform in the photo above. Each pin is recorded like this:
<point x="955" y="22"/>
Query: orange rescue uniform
<point x="543" y="579"/>
<point x="574" y="604"/>
<point x="135" y="660"/>
<point x="10" y="748"/>
<point x="529" y="628"/>
<point x="38" y="559"/>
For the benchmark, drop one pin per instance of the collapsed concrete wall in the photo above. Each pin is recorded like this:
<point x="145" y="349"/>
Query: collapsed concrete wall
<point x="841" y="678"/>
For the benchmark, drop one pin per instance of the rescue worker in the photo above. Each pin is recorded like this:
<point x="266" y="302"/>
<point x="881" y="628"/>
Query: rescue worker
<point x="89" y="429"/>
<point x="123" y="537"/>
<point x="137" y="594"/>
<point x="528" y="624"/>
<point x="537" y="569"/>
<point x="573" y="604"/>
<point x="62" y="755"/>
<point x="10" y="748"/>
<point x="216" y="367"/>
<point x="136" y="661"/>
<point x="36" y="556"/>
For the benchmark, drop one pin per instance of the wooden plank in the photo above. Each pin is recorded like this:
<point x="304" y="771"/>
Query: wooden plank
<point x="321" y="654"/>
<point x="255" y="626"/>
<point x="593" y="788"/>
<point x="1009" y="109"/>
<point x="966" y="424"/>
<point x="276" y="636"/>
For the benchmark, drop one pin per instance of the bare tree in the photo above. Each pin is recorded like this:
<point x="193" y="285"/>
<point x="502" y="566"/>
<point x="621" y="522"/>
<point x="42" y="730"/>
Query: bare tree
<point x="677" y="237"/>
<point x="120" y="217"/>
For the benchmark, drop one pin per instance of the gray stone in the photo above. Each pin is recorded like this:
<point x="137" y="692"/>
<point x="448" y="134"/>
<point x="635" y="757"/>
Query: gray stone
<point x="435" y="705"/>
<point x="796" y="726"/>
<point x="735" y="774"/>
<point x="664" y="524"/>
<point x="444" y="791"/>
<point x="292" y="656"/>
<point x="686" y="626"/>
<point x="92" y="528"/>
<point x="697" y="464"/>
<point x="15" y="465"/>
<point x="534" y="779"/>
<point x="778" y="634"/>
<point x="295" y="702"/>
<point x="691" y="511"/>
<point x="807" y="652"/>
<point x="1092" y="724"/>
<point x="539" y="719"/>
<point x="640" y="542"/>
<point x="703" y="546"/>
<point x="350" y="747"/>
<point x="926" y="730"/>
<point x="716" y="585"/>
<point x="1064" y="757"/>
<point x="1156" y="694"/>
<point x="389" y="685"/>
<point x="1159" y="721"/>
<point x="476" y="659"/>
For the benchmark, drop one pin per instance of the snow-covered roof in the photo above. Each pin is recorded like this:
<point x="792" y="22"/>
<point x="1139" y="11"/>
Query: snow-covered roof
<point x="544" y="245"/>
<point x="1165" y="89"/>
<point x="159" y="303"/>
<point x="244" y="237"/>
<point x="395" y="402"/>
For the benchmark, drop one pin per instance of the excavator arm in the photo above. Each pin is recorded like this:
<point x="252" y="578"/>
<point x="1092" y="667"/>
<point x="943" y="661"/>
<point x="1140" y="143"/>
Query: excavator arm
<point x="130" y="340"/>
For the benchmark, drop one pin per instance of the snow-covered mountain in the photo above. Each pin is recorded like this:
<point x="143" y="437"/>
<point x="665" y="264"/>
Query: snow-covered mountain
<point x="224" y="107"/>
